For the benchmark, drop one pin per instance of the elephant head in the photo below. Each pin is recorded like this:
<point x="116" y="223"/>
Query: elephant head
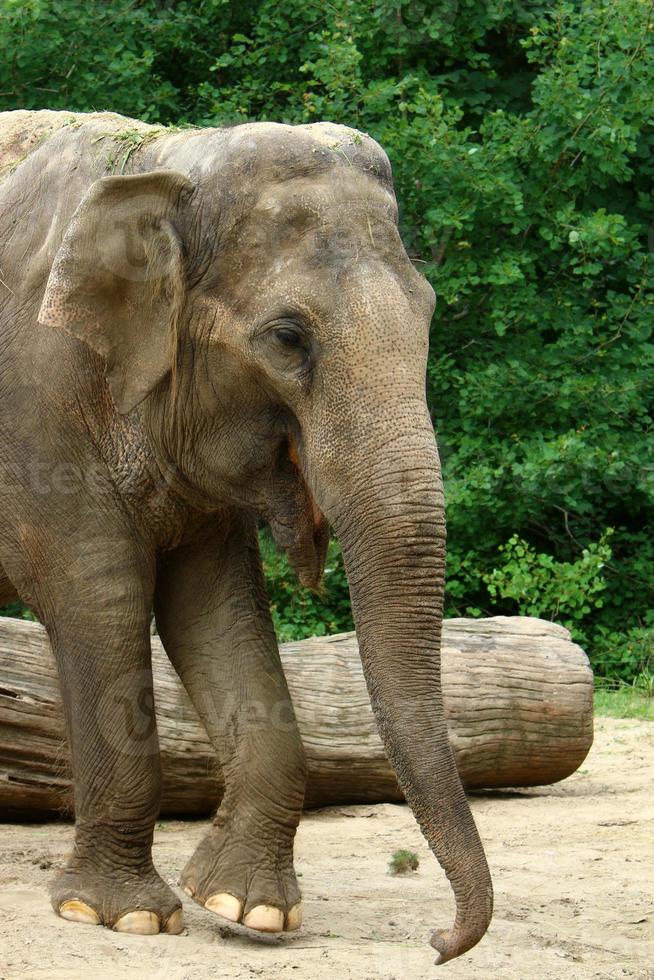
<point x="257" y="312"/>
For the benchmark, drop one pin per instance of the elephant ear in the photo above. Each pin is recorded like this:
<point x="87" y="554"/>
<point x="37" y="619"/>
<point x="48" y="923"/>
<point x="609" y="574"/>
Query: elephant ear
<point x="117" y="282"/>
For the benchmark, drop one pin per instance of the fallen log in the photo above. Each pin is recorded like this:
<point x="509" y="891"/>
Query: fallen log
<point x="518" y="699"/>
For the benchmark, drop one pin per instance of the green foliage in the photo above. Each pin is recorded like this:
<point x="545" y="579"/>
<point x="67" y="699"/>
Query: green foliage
<point x="557" y="590"/>
<point x="298" y="612"/>
<point x="64" y="55"/>
<point x="403" y="862"/>
<point x="627" y="656"/>
<point x="18" y="611"/>
<point x="520" y="134"/>
<point x="623" y="702"/>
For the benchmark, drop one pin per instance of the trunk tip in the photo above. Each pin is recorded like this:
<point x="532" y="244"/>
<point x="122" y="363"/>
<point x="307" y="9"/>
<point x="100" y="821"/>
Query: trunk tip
<point x="469" y="927"/>
<point x="450" y="943"/>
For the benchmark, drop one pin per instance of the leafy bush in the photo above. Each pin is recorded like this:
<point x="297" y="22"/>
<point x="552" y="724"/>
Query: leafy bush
<point x="521" y="140"/>
<point x="626" y="656"/>
<point x="19" y="611"/>
<point x="541" y="586"/>
<point x="403" y="862"/>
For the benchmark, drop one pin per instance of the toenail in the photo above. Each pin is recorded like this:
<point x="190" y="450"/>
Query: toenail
<point x="264" y="918"/>
<point x="139" y="923"/>
<point x="175" y="924"/>
<point x="76" y="911"/>
<point x="226" y="905"/>
<point x="294" y="918"/>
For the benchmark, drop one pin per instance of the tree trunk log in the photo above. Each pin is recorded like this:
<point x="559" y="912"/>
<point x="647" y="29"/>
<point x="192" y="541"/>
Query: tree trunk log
<point x="518" y="699"/>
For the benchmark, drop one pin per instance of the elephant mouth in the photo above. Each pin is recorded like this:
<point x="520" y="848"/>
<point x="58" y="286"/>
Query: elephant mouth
<point x="296" y="522"/>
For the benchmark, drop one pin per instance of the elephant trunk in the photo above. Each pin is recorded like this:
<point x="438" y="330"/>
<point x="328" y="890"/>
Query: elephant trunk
<point x="390" y="523"/>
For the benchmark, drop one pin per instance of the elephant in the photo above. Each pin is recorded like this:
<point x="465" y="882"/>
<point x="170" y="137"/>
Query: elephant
<point x="202" y="330"/>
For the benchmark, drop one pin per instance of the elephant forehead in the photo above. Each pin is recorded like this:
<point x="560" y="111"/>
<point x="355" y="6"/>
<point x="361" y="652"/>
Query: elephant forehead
<point x="322" y="195"/>
<point x="289" y="151"/>
<point x="324" y="224"/>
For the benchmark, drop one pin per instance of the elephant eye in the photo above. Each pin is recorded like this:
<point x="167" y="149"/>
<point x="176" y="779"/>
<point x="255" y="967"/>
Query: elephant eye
<point x="286" y="346"/>
<point x="288" y="337"/>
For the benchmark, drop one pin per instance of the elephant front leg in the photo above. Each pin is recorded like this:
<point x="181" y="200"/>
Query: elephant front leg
<point x="96" y="608"/>
<point x="213" y="617"/>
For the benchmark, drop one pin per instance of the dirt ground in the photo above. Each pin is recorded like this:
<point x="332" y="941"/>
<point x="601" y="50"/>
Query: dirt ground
<point x="573" y="866"/>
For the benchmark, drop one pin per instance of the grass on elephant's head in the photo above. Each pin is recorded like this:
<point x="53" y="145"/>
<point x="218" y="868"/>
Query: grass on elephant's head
<point x="403" y="862"/>
<point x="626" y="700"/>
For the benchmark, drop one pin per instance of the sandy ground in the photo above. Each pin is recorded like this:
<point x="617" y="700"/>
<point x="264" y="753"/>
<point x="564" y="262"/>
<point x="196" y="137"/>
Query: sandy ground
<point x="574" y="878"/>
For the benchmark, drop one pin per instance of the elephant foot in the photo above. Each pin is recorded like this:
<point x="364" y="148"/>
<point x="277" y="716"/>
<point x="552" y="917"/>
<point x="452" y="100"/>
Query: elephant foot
<point x="246" y="879"/>
<point x="143" y="905"/>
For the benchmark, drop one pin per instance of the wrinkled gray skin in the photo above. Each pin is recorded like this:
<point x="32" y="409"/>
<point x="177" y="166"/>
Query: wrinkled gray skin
<point x="228" y="329"/>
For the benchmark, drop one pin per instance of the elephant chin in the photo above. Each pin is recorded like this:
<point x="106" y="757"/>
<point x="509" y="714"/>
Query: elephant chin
<point x="297" y="525"/>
